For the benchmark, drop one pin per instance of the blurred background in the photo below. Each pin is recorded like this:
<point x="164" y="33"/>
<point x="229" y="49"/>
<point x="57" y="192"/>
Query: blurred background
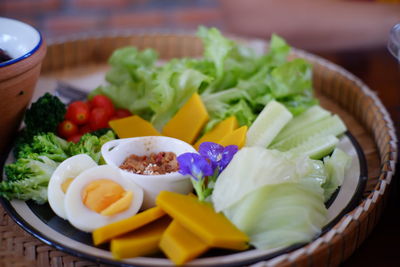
<point x="352" y="34"/>
<point x="60" y="17"/>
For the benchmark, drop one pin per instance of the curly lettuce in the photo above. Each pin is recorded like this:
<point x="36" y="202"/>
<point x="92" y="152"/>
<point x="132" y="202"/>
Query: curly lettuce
<point x="232" y="79"/>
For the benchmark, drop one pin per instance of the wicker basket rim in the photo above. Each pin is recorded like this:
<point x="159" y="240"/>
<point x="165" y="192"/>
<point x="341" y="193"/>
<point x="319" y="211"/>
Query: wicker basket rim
<point x="385" y="175"/>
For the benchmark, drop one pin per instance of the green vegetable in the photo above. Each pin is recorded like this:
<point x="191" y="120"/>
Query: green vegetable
<point x="331" y="125"/>
<point x="290" y="78"/>
<point x="101" y="132"/>
<point x="316" y="148"/>
<point x="280" y="215"/>
<point x="27" y="178"/>
<point x="336" y="166"/>
<point x="268" y="124"/>
<point x="254" y="167"/>
<point x="43" y="116"/>
<point x="304" y="120"/>
<point x="130" y="80"/>
<point x="174" y="85"/>
<point x="23" y="139"/>
<point x="46" y="144"/>
<point x="274" y="197"/>
<point x="252" y="79"/>
<point x="232" y="79"/>
<point x="228" y="103"/>
<point x="91" y="145"/>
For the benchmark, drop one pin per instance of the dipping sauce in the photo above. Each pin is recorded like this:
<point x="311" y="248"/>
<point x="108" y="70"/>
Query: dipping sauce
<point x="153" y="164"/>
<point x="4" y="56"/>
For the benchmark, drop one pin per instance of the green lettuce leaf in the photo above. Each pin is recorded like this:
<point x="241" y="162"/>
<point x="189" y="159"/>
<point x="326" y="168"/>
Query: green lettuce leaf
<point x="126" y="61"/>
<point x="231" y="78"/>
<point x="277" y="52"/>
<point x="216" y="48"/>
<point x="174" y="85"/>
<point x="291" y="78"/>
<point x="130" y="80"/>
<point x="253" y="79"/>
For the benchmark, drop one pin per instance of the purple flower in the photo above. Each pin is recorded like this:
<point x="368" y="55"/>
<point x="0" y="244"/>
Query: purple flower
<point x="195" y="165"/>
<point x="218" y="155"/>
<point x="213" y="158"/>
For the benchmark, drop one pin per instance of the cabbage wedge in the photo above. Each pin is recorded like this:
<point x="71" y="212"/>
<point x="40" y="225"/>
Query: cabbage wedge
<point x="275" y="197"/>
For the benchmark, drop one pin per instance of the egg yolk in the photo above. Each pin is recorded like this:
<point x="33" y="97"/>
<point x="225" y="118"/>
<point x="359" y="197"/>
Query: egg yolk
<point x="119" y="206"/>
<point x="65" y="185"/>
<point x="106" y="195"/>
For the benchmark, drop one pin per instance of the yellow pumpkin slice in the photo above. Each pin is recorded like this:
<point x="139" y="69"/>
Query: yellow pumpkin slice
<point x="133" y="126"/>
<point x="201" y="219"/>
<point x="180" y="245"/>
<point x="188" y="122"/>
<point x="107" y="232"/>
<point x="219" y="131"/>
<point x="141" y="242"/>
<point x="237" y="137"/>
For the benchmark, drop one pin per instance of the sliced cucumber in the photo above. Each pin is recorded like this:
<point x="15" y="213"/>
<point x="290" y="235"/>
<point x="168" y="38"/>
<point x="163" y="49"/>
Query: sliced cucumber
<point x="268" y="124"/>
<point x="317" y="148"/>
<point x="311" y="115"/>
<point x="332" y="125"/>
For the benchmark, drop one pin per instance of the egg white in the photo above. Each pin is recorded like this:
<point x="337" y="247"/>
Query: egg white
<point x="84" y="218"/>
<point x="69" y="168"/>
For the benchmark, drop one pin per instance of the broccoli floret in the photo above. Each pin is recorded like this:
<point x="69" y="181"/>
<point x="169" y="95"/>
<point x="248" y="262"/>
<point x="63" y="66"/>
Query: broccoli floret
<point x="29" y="176"/>
<point x="48" y="145"/>
<point x="45" y="114"/>
<point x="51" y="146"/>
<point x="23" y="190"/>
<point x="101" y="132"/>
<point x="91" y="145"/>
<point x="28" y="179"/>
<point x="42" y="117"/>
<point x="108" y="136"/>
<point x="22" y="142"/>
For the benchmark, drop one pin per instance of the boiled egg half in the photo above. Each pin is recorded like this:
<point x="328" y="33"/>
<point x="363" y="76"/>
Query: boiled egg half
<point x="62" y="177"/>
<point x="99" y="196"/>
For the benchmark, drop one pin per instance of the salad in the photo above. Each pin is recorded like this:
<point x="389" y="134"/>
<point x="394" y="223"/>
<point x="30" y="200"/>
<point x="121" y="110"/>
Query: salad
<point x="265" y="165"/>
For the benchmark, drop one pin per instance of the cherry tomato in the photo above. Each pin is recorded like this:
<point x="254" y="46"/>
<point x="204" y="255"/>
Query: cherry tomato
<point x="111" y="119"/>
<point x="119" y="114"/>
<point x="89" y="104"/>
<point x="78" y="112"/>
<point x="75" y="138"/>
<point x="102" y="101"/>
<point x="67" y="129"/>
<point x="85" y="129"/>
<point x="122" y="113"/>
<point x="98" y="119"/>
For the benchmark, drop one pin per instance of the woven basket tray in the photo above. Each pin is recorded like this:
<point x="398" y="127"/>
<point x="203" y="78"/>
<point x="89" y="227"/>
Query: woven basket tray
<point x="338" y="91"/>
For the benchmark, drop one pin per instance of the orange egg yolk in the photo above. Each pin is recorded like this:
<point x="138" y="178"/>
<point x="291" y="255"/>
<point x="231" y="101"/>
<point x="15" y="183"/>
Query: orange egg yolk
<point x="65" y="185"/>
<point x="101" y="194"/>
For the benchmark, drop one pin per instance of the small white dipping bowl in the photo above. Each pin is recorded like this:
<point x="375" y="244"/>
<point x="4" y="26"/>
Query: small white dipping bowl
<point x="115" y="152"/>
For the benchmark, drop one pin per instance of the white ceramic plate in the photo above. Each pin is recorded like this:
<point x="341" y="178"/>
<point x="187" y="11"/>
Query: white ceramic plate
<point x="41" y="222"/>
